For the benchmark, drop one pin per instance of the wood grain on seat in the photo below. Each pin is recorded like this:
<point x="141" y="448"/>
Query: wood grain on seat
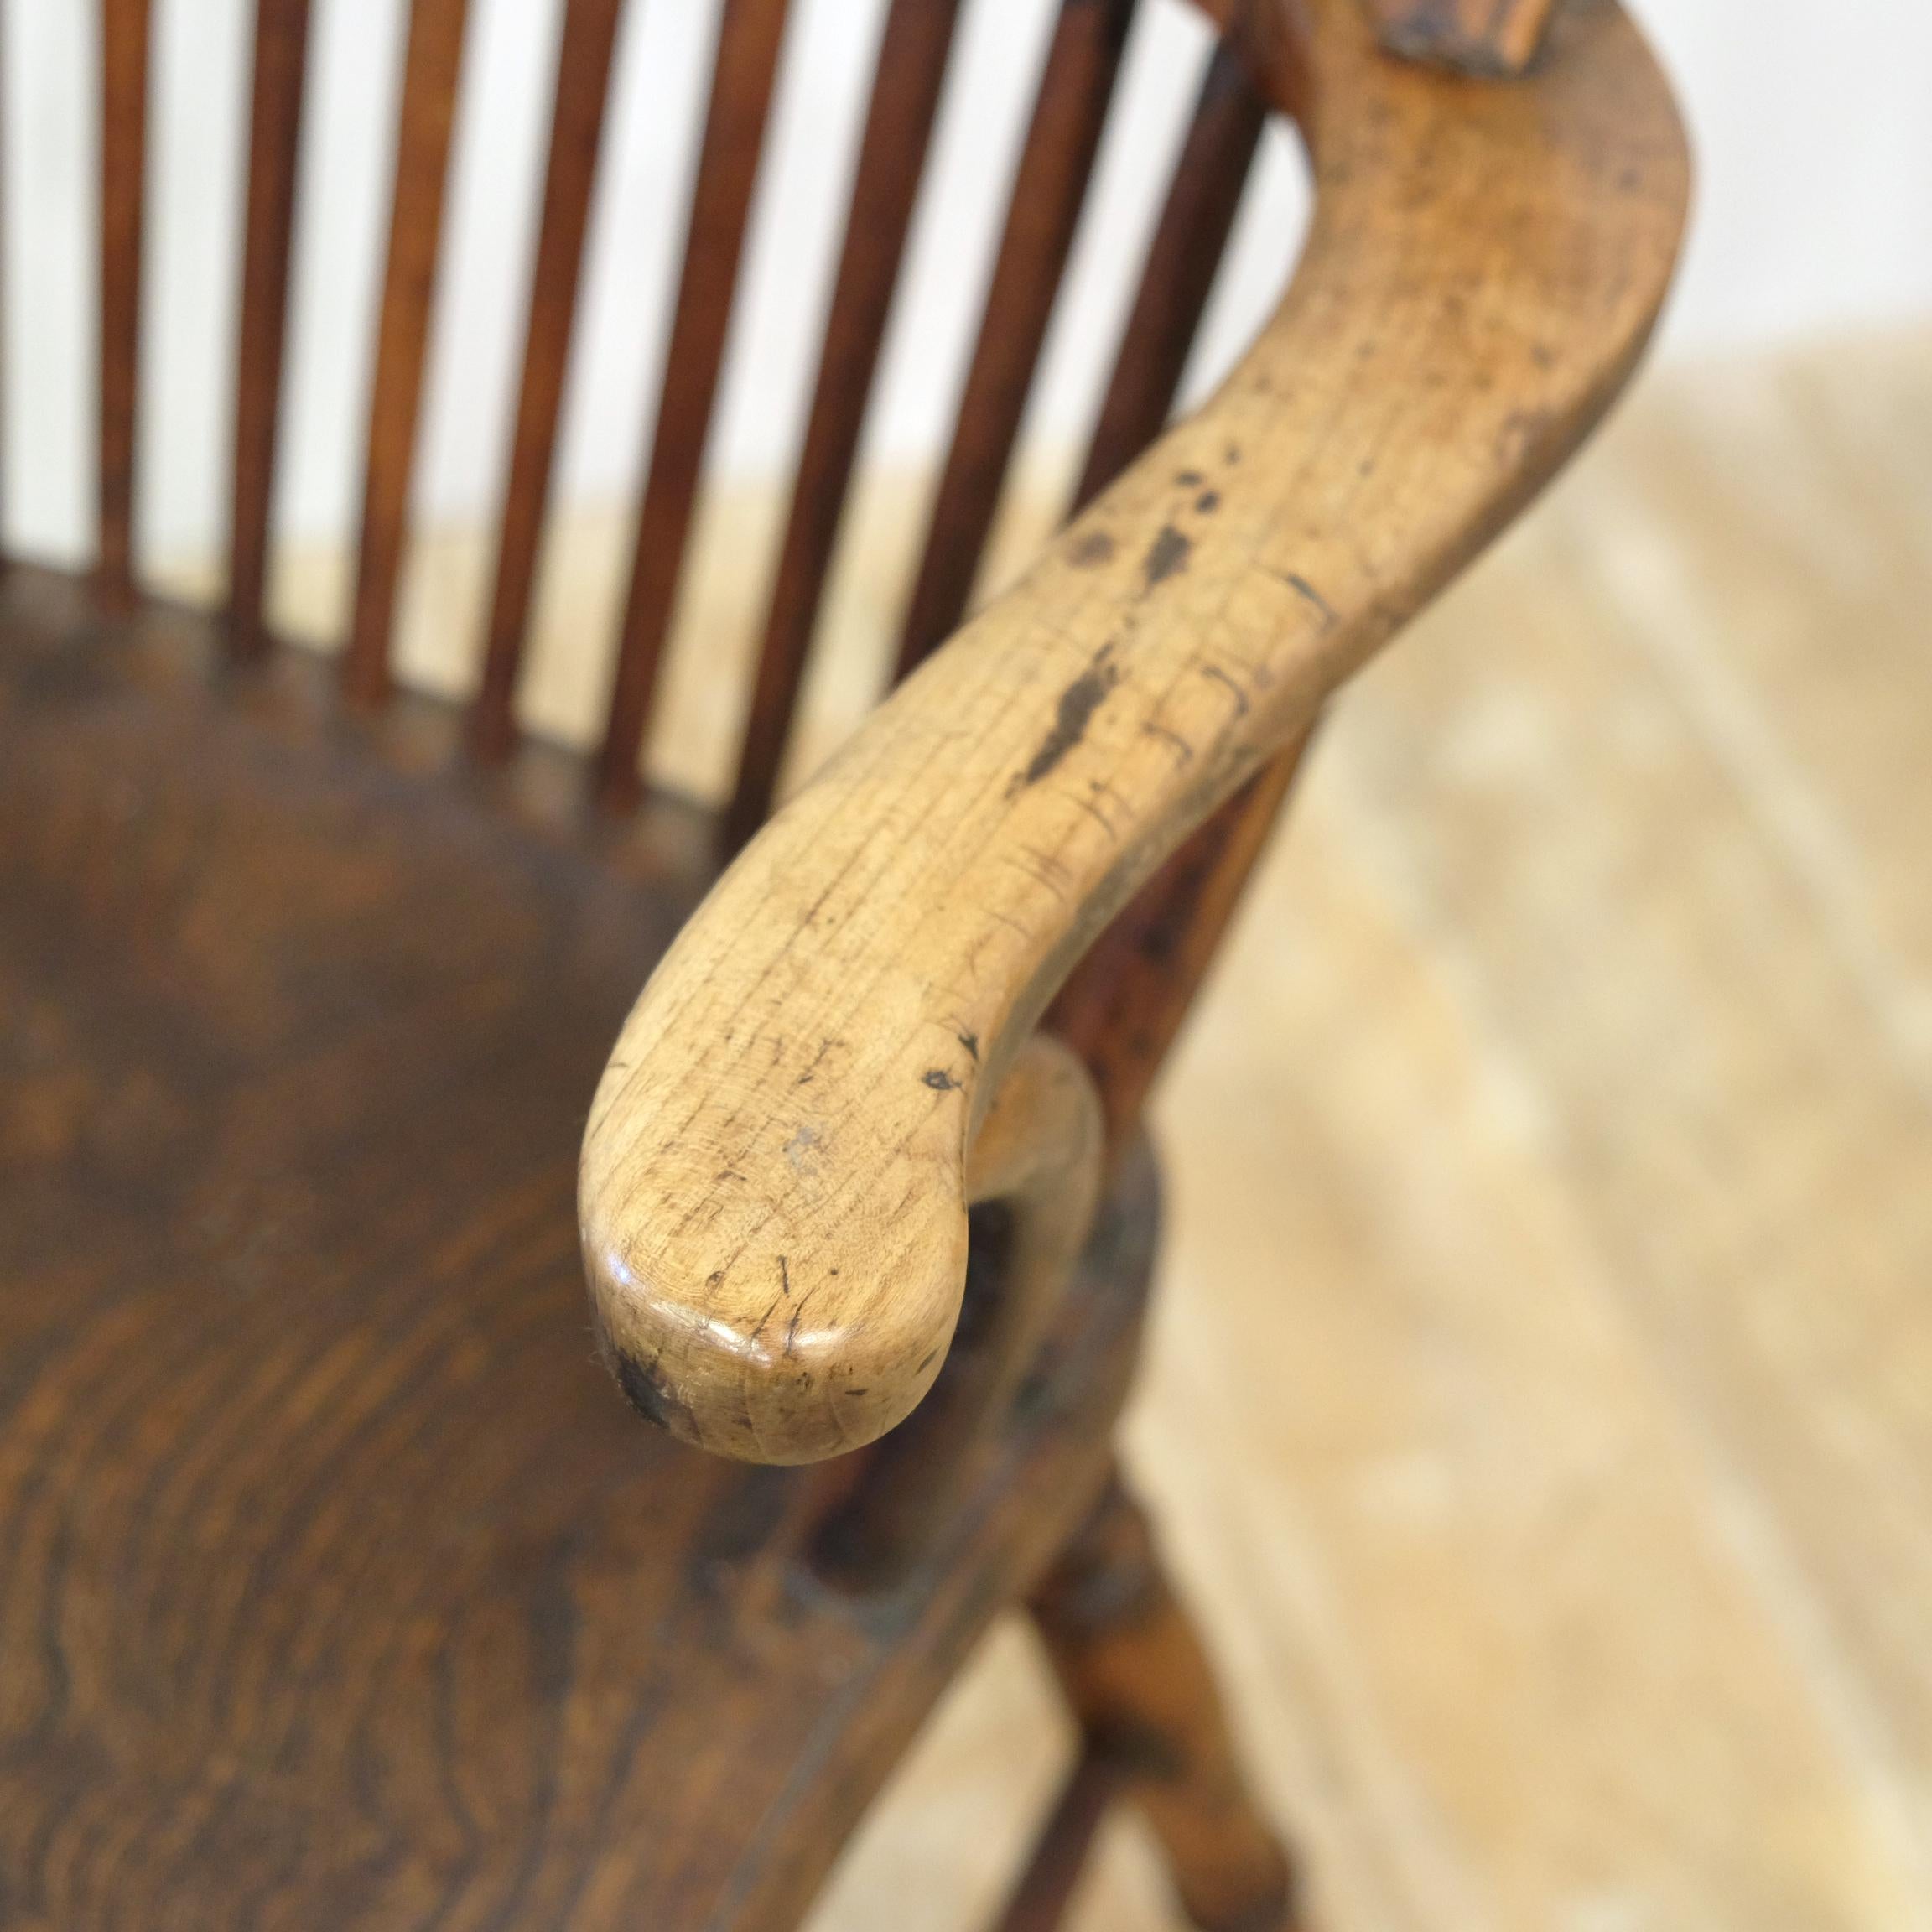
<point x="338" y="1586"/>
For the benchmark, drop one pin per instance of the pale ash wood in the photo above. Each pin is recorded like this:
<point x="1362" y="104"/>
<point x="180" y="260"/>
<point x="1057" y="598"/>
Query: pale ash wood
<point x="786" y="1113"/>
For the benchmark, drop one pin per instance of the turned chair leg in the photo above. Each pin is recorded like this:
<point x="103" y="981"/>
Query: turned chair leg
<point x="1137" y="1677"/>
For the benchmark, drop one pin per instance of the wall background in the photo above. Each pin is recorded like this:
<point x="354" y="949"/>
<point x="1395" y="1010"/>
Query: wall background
<point x="1814" y="213"/>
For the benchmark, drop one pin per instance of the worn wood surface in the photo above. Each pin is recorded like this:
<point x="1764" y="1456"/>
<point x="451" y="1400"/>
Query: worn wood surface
<point x="786" y="1113"/>
<point x="1034" y="1177"/>
<point x="196" y="1038"/>
<point x="339" y="1587"/>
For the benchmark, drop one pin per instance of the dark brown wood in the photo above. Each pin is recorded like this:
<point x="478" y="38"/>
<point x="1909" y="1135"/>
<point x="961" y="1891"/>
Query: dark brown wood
<point x="1493" y="39"/>
<point x="1133" y="1669"/>
<point x="123" y="156"/>
<point x="4" y="332"/>
<point x="748" y="44"/>
<point x="318" y="1525"/>
<point x="1186" y="252"/>
<point x="430" y="73"/>
<point x="576" y="130"/>
<point x="913" y="48"/>
<point x="274" y="140"/>
<point x="1039" y="1902"/>
<point x="1127" y="1000"/>
<point x="1048" y="192"/>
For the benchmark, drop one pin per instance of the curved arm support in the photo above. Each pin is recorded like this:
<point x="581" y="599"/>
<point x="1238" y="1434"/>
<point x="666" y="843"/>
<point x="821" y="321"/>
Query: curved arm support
<point x="774" y="1180"/>
<point x="1036" y="1158"/>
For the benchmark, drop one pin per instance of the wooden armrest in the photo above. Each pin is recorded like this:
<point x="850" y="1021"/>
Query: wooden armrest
<point x="774" y="1179"/>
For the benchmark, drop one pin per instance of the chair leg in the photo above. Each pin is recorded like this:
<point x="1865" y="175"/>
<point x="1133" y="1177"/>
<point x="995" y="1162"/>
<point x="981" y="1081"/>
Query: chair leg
<point x="1039" y="1901"/>
<point x="1134" y="1669"/>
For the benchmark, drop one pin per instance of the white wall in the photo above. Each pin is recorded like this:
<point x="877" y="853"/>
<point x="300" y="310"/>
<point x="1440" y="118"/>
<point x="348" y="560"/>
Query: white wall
<point x="1813" y="121"/>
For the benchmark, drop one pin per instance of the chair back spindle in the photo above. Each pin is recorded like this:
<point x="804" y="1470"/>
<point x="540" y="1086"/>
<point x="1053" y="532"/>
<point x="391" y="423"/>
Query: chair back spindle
<point x="912" y="66"/>
<point x="1069" y="116"/>
<point x="576" y="132"/>
<point x="274" y="139"/>
<point x="747" y="62"/>
<point x="431" y="69"/>
<point x="124" y="36"/>
<point x="1188" y="244"/>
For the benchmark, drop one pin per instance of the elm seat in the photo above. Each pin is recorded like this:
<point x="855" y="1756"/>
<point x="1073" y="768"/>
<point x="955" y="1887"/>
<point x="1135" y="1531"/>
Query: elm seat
<point x="340" y="1586"/>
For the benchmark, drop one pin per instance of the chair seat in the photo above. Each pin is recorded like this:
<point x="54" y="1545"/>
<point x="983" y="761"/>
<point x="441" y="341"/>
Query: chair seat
<point x="338" y="1584"/>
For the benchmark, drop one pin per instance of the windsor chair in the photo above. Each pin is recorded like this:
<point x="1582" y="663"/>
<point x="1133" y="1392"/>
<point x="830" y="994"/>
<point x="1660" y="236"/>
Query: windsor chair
<point x="339" y="1586"/>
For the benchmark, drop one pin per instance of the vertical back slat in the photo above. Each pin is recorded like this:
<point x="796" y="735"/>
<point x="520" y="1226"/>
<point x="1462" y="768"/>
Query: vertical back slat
<point x="1068" y="117"/>
<point x="747" y="59"/>
<point x="576" y="130"/>
<point x="911" y="68"/>
<point x="1186" y="249"/>
<point x="123" y="152"/>
<point x="274" y="134"/>
<point x="431" y="68"/>
<point x="5" y="282"/>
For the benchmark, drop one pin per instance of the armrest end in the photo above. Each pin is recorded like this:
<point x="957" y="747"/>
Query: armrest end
<point x="772" y="1213"/>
